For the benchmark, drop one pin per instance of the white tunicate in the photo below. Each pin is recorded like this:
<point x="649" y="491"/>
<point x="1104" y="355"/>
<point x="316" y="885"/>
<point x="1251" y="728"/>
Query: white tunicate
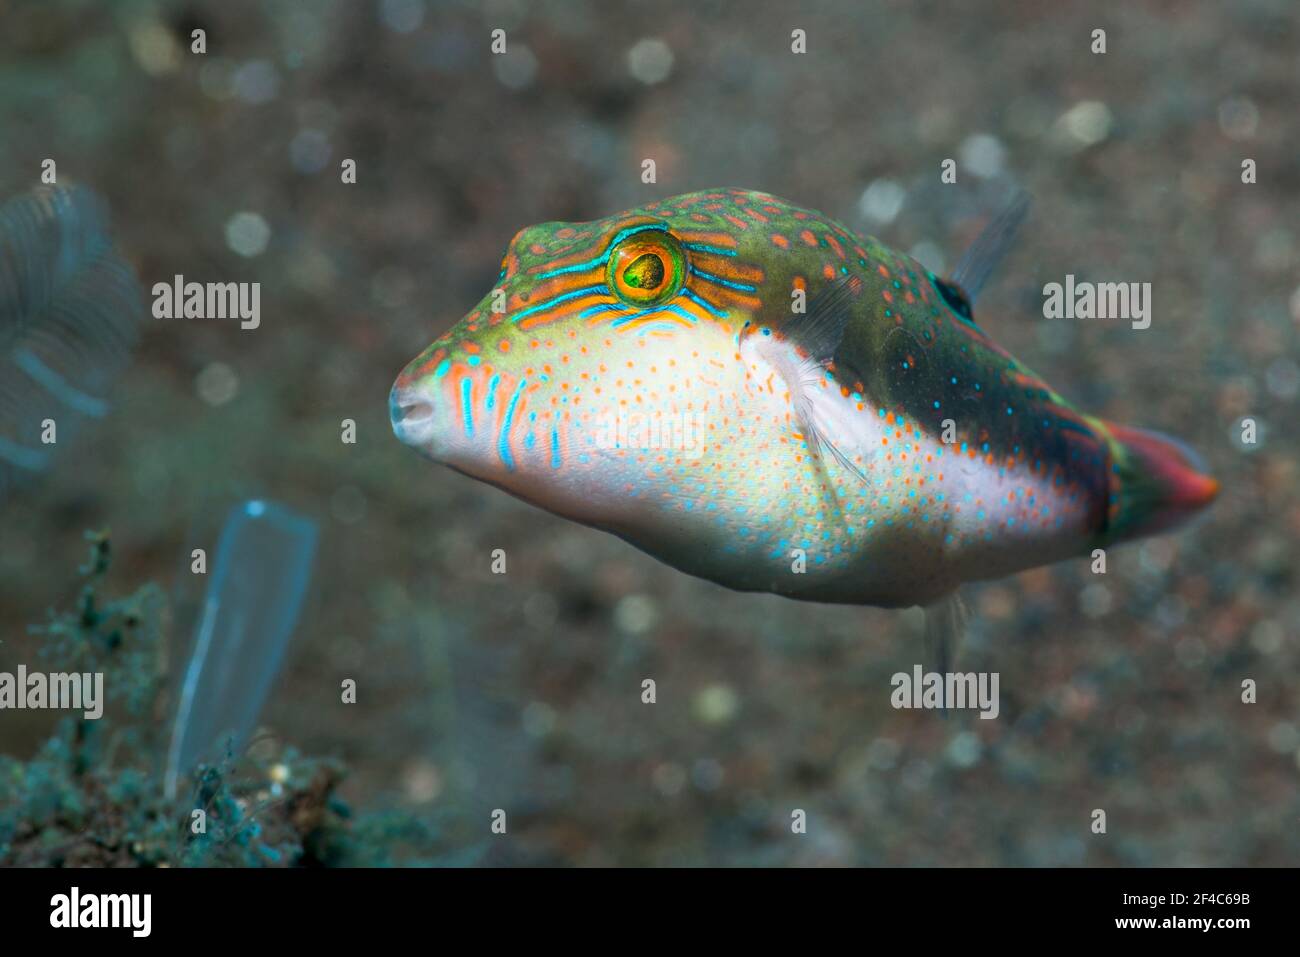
<point x="216" y="383"/>
<point x="247" y="234"/>
<point x="982" y="155"/>
<point x="650" y="60"/>
<point x="882" y="201"/>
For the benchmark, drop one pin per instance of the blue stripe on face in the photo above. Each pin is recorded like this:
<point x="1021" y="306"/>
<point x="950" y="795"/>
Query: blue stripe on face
<point x="704" y="304"/>
<point x="713" y="250"/>
<point x="556" y="300"/>
<point x="466" y="409"/>
<point x="719" y="281"/>
<point x="599" y="259"/>
<point x="503" y="440"/>
<point x="603" y="307"/>
<point x="662" y="325"/>
<point x="677" y="310"/>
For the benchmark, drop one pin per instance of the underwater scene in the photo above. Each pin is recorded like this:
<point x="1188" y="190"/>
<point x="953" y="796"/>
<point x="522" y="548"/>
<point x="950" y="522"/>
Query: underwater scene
<point x="440" y="433"/>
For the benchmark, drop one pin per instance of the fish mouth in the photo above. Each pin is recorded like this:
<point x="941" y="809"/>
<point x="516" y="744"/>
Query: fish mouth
<point x="411" y="412"/>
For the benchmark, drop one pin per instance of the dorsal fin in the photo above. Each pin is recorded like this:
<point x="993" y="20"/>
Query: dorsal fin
<point x="988" y="249"/>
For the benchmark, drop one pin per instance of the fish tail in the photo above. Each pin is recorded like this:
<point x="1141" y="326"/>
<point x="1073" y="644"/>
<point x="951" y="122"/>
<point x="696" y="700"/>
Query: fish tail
<point x="1156" y="482"/>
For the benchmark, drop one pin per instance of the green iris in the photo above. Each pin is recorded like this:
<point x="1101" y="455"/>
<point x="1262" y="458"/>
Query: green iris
<point x="646" y="272"/>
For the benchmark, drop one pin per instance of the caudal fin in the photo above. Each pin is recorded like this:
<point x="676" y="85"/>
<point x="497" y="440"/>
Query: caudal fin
<point x="1156" y="482"/>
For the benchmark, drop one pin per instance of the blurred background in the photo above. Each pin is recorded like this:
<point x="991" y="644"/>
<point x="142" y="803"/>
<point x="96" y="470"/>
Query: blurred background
<point x="522" y="691"/>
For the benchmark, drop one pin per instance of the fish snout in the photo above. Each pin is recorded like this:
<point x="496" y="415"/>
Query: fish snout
<point x="412" y="410"/>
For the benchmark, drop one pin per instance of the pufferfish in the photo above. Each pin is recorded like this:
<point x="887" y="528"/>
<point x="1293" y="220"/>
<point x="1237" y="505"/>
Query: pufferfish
<point x="759" y="396"/>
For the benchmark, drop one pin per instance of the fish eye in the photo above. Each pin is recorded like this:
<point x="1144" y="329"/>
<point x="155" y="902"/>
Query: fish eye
<point x="647" y="269"/>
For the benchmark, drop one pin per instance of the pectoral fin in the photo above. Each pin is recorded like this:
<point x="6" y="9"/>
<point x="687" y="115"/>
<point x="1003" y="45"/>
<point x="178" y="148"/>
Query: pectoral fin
<point x="804" y="359"/>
